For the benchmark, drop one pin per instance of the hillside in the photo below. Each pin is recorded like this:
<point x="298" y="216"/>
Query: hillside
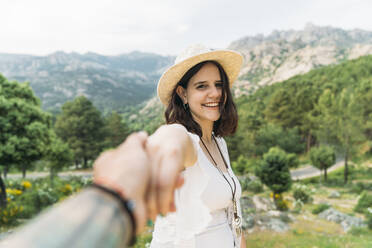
<point x="111" y="82"/>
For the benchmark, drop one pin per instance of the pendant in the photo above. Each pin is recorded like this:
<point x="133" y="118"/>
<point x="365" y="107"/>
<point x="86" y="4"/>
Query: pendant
<point x="237" y="220"/>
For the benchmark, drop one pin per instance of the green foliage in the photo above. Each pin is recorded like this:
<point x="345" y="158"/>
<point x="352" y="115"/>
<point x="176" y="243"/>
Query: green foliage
<point x="364" y="202"/>
<point x="322" y="157"/>
<point x="369" y="218"/>
<point x="274" y="171"/>
<point x="24" y="127"/>
<point x="320" y="208"/>
<point x="341" y="122"/>
<point x="116" y="130"/>
<point x="271" y="135"/>
<point x="280" y="203"/>
<point x="32" y="196"/>
<point x="81" y="125"/>
<point x="301" y="193"/>
<point x="254" y="186"/>
<point x="244" y="165"/>
<point x="59" y="155"/>
<point x="330" y="104"/>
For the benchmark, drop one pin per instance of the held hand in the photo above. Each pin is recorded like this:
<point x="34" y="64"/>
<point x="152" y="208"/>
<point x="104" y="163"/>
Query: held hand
<point x="168" y="156"/>
<point x="128" y="168"/>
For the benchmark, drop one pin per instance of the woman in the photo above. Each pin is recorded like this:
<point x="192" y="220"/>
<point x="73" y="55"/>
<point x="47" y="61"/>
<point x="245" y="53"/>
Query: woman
<point x="199" y="112"/>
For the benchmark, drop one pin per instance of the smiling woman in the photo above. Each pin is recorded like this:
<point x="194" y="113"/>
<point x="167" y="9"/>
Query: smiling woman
<point x="200" y="111"/>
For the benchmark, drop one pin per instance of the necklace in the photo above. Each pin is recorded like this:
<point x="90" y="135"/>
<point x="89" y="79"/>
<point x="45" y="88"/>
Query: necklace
<point x="237" y="220"/>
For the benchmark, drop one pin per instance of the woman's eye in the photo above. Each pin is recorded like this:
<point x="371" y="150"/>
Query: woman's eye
<point x="219" y="85"/>
<point x="200" y="86"/>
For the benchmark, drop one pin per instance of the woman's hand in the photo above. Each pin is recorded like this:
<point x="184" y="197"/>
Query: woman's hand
<point x="170" y="150"/>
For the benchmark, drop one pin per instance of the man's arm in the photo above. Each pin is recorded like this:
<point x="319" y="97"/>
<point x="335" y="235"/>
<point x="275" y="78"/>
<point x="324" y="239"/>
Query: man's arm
<point x="90" y="219"/>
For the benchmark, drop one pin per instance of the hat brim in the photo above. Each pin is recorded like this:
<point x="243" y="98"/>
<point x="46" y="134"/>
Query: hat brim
<point x="231" y="62"/>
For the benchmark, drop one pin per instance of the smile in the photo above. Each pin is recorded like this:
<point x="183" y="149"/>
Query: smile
<point x="212" y="104"/>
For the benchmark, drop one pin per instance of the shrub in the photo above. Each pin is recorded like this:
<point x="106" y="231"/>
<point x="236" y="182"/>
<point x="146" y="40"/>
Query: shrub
<point x="274" y="171"/>
<point x="255" y="186"/>
<point x="369" y="218"/>
<point x="280" y="203"/>
<point x="301" y="193"/>
<point x="320" y="208"/>
<point x="243" y="165"/>
<point x="364" y="202"/>
<point x="357" y="188"/>
<point x="10" y="214"/>
<point x="297" y="206"/>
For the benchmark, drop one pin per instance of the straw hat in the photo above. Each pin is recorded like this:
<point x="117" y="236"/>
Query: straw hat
<point x="231" y="62"/>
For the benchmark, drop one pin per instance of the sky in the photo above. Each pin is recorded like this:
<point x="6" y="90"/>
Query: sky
<point x="166" y="27"/>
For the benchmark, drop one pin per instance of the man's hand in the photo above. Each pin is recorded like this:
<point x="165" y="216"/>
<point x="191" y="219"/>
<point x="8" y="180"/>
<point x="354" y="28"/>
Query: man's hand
<point x="127" y="167"/>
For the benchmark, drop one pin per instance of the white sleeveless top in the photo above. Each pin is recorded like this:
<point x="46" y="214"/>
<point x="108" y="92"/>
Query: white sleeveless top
<point x="203" y="203"/>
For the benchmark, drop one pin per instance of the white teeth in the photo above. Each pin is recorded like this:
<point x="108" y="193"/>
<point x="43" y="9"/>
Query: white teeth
<point x="211" y="104"/>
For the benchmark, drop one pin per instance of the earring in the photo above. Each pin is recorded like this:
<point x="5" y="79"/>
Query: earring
<point x="186" y="106"/>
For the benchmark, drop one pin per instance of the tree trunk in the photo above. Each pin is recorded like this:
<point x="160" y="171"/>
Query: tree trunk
<point x="85" y="163"/>
<point x="5" y="172"/>
<point x="51" y="177"/>
<point x="308" y="142"/>
<point x="3" y="197"/>
<point x="76" y="164"/>
<point x="23" y="172"/>
<point x="346" y="169"/>
<point x="325" y="174"/>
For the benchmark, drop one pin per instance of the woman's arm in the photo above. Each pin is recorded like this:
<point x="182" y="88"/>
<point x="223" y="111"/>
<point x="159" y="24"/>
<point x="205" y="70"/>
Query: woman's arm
<point x="170" y="150"/>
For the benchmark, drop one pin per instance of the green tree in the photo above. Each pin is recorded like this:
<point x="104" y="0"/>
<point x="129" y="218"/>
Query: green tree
<point x="274" y="171"/>
<point x="323" y="157"/>
<point x="24" y="127"/>
<point x="341" y="123"/>
<point x="81" y="125"/>
<point x="116" y="130"/>
<point x="271" y="135"/>
<point x="59" y="155"/>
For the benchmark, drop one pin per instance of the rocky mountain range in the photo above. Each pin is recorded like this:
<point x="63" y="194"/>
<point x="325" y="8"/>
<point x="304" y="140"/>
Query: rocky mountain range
<point x="284" y="54"/>
<point x="116" y="82"/>
<point x="111" y="82"/>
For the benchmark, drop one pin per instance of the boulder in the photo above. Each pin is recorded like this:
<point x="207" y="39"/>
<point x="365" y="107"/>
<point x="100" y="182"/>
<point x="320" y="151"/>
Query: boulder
<point x="346" y="221"/>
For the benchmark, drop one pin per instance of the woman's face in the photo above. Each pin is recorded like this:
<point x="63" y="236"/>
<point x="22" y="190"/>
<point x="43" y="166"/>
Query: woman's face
<point x="203" y="94"/>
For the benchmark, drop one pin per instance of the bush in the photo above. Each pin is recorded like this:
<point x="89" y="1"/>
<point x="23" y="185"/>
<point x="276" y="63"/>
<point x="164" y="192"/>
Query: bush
<point x="301" y="193"/>
<point x="320" y="208"/>
<point x="243" y="165"/>
<point x="369" y="219"/>
<point x="280" y="203"/>
<point x="255" y="186"/>
<point x="274" y="171"/>
<point x="357" y="188"/>
<point x="364" y="202"/>
<point x="250" y="185"/>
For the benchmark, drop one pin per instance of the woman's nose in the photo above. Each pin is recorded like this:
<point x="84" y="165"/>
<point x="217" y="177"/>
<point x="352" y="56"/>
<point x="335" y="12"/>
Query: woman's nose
<point x="214" y="92"/>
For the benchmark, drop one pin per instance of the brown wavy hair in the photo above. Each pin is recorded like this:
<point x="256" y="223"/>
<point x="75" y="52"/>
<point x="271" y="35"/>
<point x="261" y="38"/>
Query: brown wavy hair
<point x="176" y="113"/>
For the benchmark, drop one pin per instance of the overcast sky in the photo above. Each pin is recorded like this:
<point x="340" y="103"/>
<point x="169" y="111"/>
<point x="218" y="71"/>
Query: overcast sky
<point x="112" y="27"/>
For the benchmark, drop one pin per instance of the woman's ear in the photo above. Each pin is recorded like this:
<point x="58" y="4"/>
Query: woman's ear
<point x="181" y="92"/>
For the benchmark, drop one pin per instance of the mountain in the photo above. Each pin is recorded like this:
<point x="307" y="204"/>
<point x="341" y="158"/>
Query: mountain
<point x="111" y="82"/>
<point x="282" y="55"/>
